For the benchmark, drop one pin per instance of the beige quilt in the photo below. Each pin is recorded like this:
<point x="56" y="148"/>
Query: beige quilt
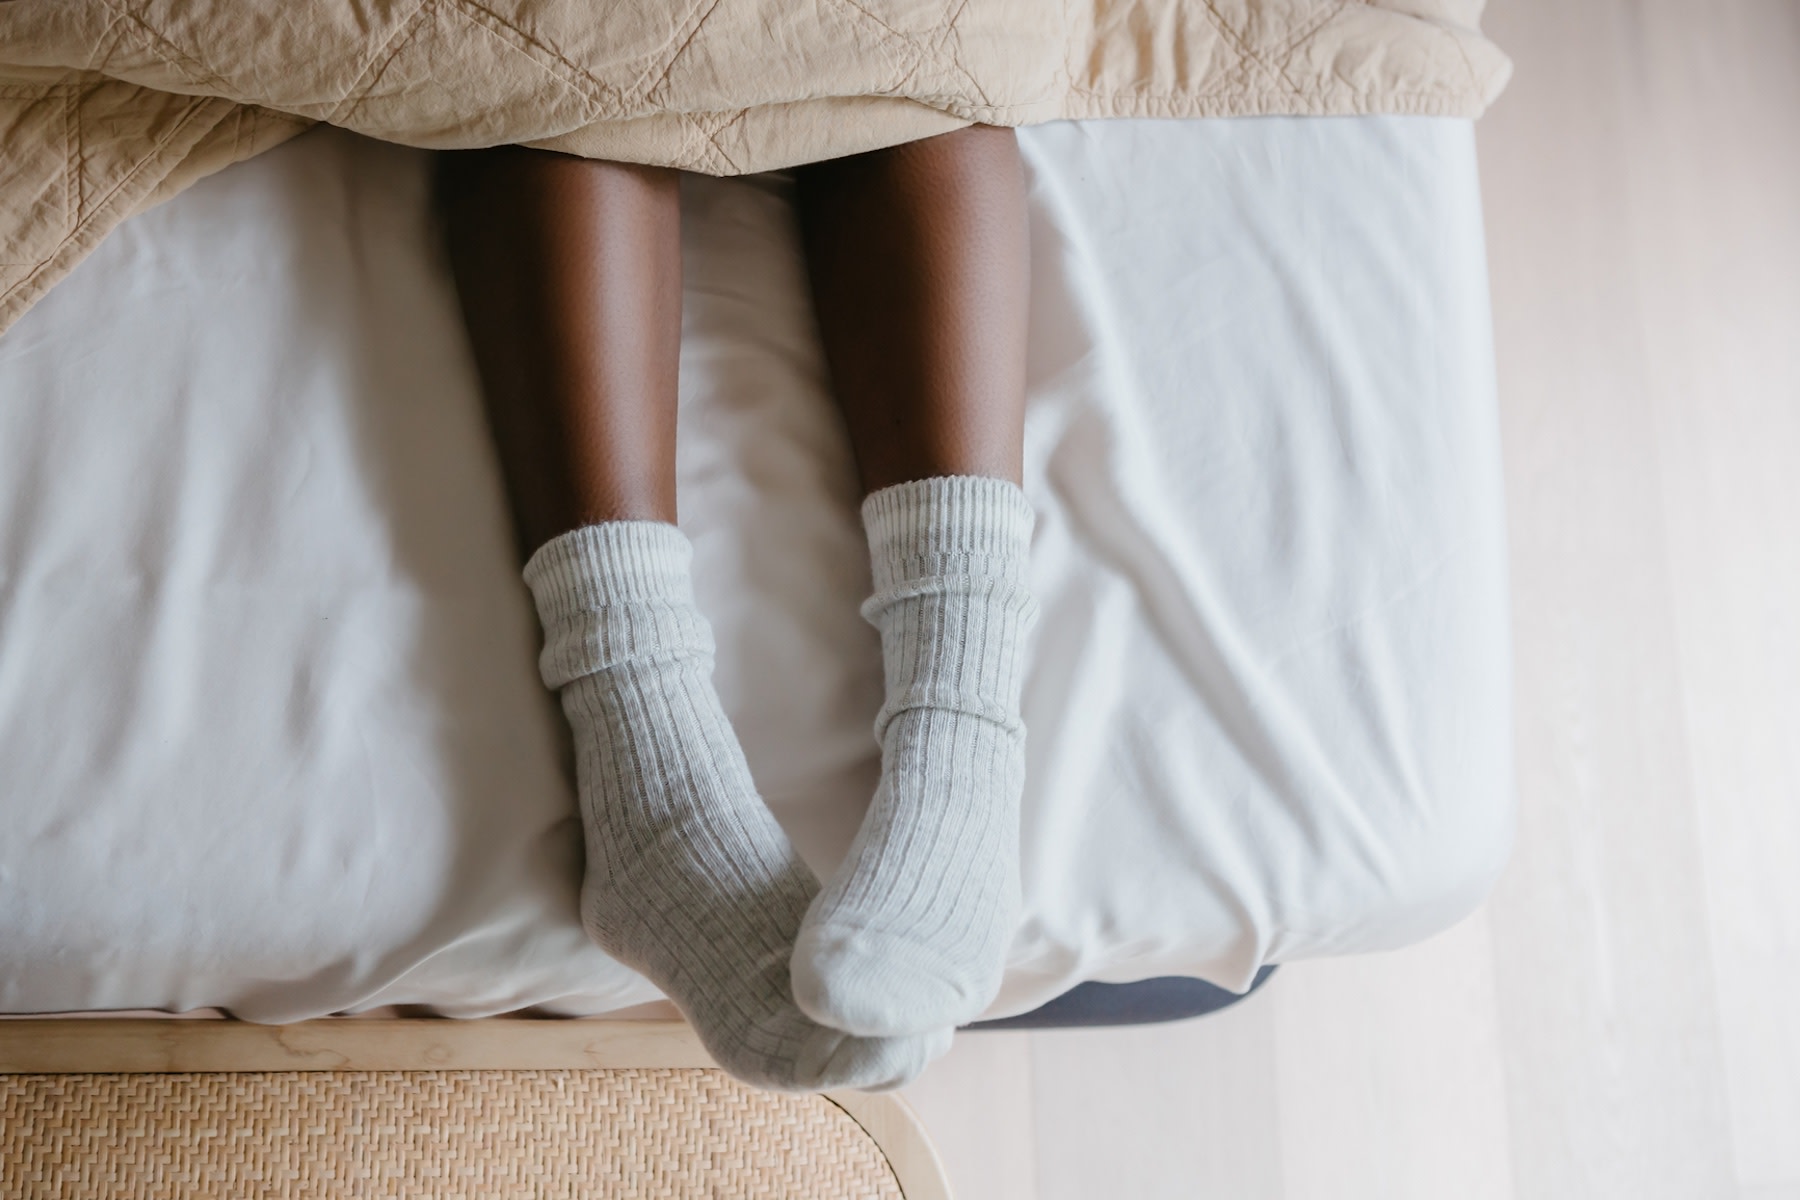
<point x="108" y="106"/>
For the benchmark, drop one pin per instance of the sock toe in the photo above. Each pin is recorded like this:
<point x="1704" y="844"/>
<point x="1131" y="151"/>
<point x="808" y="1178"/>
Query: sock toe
<point x="884" y="987"/>
<point x="872" y="1064"/>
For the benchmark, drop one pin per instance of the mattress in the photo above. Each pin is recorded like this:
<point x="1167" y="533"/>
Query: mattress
<point x="271" y="735"/>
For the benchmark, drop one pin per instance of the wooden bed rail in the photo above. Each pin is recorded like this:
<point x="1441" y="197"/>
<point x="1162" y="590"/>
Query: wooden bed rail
<point x="106" y="1045"/>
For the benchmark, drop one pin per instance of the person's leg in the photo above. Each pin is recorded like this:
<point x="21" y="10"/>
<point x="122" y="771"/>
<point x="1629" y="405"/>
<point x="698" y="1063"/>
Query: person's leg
<point x="569" y="273"/>
<point x="919" y="263"/>
<point x="920" y="270"/>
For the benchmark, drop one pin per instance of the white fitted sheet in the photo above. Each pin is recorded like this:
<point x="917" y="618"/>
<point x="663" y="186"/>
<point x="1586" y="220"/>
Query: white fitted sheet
<point x="271" y="737"/>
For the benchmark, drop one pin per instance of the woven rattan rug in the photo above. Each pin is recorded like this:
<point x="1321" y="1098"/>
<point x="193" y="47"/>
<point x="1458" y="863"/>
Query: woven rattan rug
<point x="637" y="1133"/>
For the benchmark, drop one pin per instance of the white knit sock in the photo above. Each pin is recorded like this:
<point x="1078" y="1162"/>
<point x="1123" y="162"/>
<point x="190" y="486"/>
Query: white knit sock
<point x="912" y="932"/>
<point x="689" y="878"/>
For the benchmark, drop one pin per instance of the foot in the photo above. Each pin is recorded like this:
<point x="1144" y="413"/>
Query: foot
<point x="912" y="933"/>
<point x="689" y="878"/>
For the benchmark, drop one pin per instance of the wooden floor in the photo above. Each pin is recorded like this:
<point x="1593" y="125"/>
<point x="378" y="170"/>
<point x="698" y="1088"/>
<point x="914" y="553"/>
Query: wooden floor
<point x="1622" y="1022"/>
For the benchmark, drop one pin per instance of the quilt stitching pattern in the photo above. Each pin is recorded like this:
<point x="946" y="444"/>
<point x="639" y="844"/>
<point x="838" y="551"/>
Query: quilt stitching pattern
<point x="84" y="228"/>
<point x="726" y="120"/>
<point x="905" y="67"/>
<point x="74" y="185"/>
<point x="108" y="41"/>
<point x="1249" y="62"/>
<point x="382" y="66"/>
<point x="69" y="96"/>
<point x="376" y="67"/>
<point x="1231" y="79"/>
<point x="602" y="97"/>
<point x="1462" y="52"/>
<point x="937" y="50"/>
<point x="195" y="106"/>
<point x="193" y="70"/>
<point x="1285" y="55"/>
<point x="1249" y="68"/>
<point x="655" y="75"/>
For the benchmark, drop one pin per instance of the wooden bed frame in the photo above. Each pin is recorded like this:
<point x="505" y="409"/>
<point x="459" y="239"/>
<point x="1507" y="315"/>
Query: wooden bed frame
<point x="131" y="1045"/>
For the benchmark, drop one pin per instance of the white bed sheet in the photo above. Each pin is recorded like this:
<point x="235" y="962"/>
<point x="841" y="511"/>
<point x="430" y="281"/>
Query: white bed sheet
<point x="271" y="737"/>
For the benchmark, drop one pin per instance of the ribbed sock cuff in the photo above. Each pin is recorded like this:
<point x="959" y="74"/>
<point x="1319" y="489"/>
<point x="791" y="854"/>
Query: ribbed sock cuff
<point x="589" y="568"/>
<point x="951" y="525"/>
<point x="615" y="593"/>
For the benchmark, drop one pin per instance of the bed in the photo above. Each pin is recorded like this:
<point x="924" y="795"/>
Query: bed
<point x="271" y="738"/>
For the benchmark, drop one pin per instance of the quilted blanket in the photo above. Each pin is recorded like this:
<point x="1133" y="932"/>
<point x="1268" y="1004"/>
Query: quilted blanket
<point x="107" y="106"/>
